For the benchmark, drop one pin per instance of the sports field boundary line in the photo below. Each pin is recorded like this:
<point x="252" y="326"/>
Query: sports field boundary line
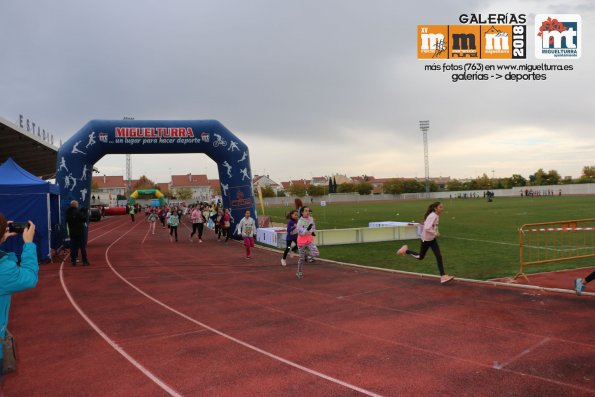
<point x="467" y="280"/>
<point x="555" y="271"/>
<point x="105" y="337"/>
<point x="306" y="369"/>
<point x="231" y="338"/>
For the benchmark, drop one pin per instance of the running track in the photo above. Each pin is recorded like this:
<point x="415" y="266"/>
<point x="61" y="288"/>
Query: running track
<point x="154" y="318"/>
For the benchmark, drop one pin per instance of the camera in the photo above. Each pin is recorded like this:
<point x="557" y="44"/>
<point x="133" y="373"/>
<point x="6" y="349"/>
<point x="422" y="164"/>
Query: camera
<point x="18" y="227"/>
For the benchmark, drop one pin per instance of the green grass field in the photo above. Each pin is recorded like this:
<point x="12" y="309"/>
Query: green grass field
<point x="478" y="239"/>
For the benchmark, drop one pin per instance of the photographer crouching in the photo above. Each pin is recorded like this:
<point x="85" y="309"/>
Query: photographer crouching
<point x="15" y="277"/>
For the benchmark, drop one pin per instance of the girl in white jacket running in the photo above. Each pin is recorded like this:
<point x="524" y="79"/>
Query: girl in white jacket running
<point x="428" y="240"/>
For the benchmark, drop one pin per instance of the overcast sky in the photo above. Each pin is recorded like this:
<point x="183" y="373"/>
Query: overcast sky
<point x="312" y="87"/>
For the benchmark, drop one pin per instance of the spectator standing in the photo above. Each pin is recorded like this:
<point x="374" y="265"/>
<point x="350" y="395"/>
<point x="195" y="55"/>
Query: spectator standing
<point x="76" y="218"/>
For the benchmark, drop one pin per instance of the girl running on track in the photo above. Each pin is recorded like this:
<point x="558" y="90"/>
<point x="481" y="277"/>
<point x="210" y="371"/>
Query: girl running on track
<point x="161" y="214"/>
<point x="292" y="235"/>
<point x="247" y="229"/>
<point x="217" y="219"/>
<point x="173" y="222"/>
<point x="305" y="240"/>
<point x="152" y="219"/>
<point x="197" y="223"/>
<point x="226" y="224"/>
<point x="428" y="240"/>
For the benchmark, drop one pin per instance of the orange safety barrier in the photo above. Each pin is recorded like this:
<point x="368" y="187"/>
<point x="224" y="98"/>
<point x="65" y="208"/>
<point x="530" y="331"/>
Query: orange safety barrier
<point x="548" y="242"/>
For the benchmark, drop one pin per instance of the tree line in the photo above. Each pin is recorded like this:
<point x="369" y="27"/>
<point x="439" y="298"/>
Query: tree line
<point x="399" y="185"/>
<point x="404" y="185"/>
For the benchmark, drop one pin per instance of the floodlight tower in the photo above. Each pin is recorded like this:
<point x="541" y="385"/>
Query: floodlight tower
<point x="128" y="166"/>
<point x="424" y="126"/>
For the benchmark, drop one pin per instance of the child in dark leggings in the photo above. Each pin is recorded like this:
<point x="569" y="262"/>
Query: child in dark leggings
<point x="580" y="284"/>
<point x="428" y="240"/>
<point x="292" y="235"/>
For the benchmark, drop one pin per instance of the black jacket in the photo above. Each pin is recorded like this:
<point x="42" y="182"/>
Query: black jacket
<point x="76" y="219"/>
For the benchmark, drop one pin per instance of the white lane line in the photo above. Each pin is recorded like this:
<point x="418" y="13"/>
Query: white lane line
<point x="561" y="248"/>
<point x="233" y="339"/>
<point x="110" y="341"/>
<point x="480" y="241"/>
<point x="146" y="235"/>
<point x="528" y="350"/>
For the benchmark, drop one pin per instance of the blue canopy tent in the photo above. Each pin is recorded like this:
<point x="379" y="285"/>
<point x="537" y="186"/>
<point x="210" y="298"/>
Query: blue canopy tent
<point x="24" y="197"/>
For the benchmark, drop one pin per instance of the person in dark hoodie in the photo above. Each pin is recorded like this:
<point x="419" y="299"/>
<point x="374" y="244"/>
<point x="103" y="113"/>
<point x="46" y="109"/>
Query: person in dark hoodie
<point x="77" y="223"/>
<point x="15" y="278"/>
<point x="292" y="235"/>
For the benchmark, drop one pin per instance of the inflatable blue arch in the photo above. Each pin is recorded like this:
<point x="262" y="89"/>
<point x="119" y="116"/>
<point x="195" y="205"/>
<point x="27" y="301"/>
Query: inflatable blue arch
<point x="98" y="138"/>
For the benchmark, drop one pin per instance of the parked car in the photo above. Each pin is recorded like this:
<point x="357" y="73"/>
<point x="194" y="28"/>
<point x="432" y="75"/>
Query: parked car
<point x="95" y="214"/>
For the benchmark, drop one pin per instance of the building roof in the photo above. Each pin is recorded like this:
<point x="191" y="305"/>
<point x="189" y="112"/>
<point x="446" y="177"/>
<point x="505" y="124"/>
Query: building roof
<point x="214" y="183"/>
<point x="340" y="179"/>
<point x="163" y="186"/>
<point x="27" y="149"/>
<point x="265" y="179"/>
<point x="299" y="182"/>
<point x="109" y="182"/>
<point x="189" y="180"/>
<point x="133" y="183"/>
<point x="382" y="180"/>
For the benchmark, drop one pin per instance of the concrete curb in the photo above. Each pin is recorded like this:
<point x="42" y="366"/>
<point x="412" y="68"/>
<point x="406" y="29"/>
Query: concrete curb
<point x="467" y="280"/>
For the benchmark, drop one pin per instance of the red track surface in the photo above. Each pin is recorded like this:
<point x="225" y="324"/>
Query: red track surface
<point x="198" y="319"/>
<point x="563" y="279"/>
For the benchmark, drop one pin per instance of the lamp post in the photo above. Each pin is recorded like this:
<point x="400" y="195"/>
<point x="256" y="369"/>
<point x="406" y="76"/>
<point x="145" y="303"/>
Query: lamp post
<point x="424" y="126"/>
<point x="128" y="166"/>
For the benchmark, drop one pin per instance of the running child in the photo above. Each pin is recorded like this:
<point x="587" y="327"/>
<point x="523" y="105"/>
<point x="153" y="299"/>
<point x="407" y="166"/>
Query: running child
<point x="428" y="240"/>
<point x="292" y="235"/>
<point x="152" y="219"/>
<point x="226" y="224"/>
<point x="173" y="222"/>
<point x="305" y="240"/>
<point x="247" y="229"/>
<point x="197" y="223"/>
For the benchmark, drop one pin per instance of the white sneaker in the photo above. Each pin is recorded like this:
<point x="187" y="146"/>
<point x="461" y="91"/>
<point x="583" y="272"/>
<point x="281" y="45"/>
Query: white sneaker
<point x="446" y="278"/>
<point x="283" y="262"/>
<point x="402" y="250"/>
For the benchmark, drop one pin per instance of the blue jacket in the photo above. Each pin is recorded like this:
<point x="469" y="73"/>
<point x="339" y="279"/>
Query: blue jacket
<point x="15" y="278"/>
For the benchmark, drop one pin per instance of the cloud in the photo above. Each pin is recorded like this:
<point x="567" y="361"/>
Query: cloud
<point x="334" y="85"/>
